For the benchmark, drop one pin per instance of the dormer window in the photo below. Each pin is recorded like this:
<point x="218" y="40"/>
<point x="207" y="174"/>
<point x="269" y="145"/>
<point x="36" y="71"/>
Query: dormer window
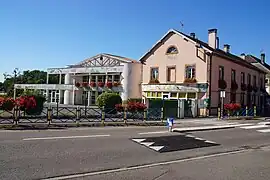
<point x="172" y="50"/>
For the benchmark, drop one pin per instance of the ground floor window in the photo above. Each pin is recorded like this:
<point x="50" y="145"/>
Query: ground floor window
<point x="233" y="97"/>
<point x="242" y="98"/>
<point x="248" y="99"/>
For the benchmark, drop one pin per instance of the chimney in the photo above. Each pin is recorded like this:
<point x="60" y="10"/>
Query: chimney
<point x="227" y="48"/>
<point x="217" y="42"/>
<point x="243" y="56"/>
<point x="192" y="35"/>
<point x="262" y="58"/>
<point x="212" y="38"/>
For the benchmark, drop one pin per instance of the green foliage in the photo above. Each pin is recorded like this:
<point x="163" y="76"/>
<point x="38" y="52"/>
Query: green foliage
<point x="27" y="77"/>
<point x="108" y="100"/>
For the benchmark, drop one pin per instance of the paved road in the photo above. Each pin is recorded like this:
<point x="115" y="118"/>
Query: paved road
<point x="134" y="153"/>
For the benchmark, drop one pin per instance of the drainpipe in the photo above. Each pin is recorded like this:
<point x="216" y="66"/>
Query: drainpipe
<point x="210" y="81"/>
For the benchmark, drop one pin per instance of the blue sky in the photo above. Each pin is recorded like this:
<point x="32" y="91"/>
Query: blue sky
<point x="37" y="34"/>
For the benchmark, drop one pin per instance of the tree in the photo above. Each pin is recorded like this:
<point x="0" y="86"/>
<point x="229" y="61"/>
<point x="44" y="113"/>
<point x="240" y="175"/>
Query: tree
<point x="1" y="86"/>
<point x="27" y="77"/>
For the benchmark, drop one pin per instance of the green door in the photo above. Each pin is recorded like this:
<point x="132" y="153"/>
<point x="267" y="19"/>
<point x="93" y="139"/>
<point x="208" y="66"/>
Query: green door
<point x="170" y="108"/>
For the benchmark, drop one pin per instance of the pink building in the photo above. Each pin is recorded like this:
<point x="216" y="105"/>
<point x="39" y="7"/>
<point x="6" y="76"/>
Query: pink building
<point x="191" y="73"/>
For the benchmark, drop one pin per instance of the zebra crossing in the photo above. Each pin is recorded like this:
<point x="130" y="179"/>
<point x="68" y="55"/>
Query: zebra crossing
<point x="262" y="127"/>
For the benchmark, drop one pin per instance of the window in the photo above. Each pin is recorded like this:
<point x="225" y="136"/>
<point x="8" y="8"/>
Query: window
<point x="93" y="78"/>
<point x="154" y="73"/>
<point x="172" y="50"/>
<point x="221" y="73"/>
<point x="249" y="79"/>
<point x="261" y="82"/>
<point x="191" y="95"/>
<point x="117" y="78"/>
<point x="254" y="81"/>
<point x="109" y="78"/>
<point x="242" y="78"/>
<point x="253" y="99"/>
<point x="173" y="95"/>
<point x="182" y="95"/>
<point x="171" y="74"/>
<point x="101" y="78"/>
<point x="233" y="75"/>
<point x="190" y="71"/>
<point x="85" y="78"/>
<point x="242" y="98"/>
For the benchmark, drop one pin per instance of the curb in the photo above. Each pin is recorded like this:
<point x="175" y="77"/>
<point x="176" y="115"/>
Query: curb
<point x="202" y="129"/>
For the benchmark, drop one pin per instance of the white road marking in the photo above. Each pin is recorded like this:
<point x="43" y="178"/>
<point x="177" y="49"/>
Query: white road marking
<point x="210" y="142"/>
<point x="147" y="143"/>
<point x="254" y="127"/>
<point x="156" y="148"/>
<point x="145" y="166"/>
<point x="154" y="132"/>
<point x="138" y="140"/>
<point x="199" y="138"/>
<point x="190" y="136"/>
<point x="65" y="137"/>
<point x="264" y="130"/>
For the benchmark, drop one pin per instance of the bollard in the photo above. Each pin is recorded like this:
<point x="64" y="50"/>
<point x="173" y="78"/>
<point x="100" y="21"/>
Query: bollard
<point x="49" y="115"/>
<point x="255" y="111"/>
<point x="162" y="114"/>
<point x="218" y="113"/>
<point x="125" y="115"/>
<point x="246" y="111"/>
<point x="103" y="116"/>
<point x="78" y="112"/>
<point x="16" y="115"/>
<point x="144" y="115"/>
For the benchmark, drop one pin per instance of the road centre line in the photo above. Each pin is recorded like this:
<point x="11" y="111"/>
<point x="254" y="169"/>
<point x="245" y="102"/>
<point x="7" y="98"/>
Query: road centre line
<point x="154" y="132"/>
<point x="145" y="166"/>
<point x="65" y="137"/>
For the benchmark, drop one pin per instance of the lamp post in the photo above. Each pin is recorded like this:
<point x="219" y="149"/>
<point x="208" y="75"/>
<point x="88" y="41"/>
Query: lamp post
<point x="16" y="73"/>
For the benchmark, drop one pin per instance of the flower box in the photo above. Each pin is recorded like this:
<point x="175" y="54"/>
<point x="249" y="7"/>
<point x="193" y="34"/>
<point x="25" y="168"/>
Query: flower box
<point x="249" y="88"/>
<point x="77" y="84"/>
<point x="154" y="81"/>
<point x="190" y="80"/>
<point x="115" y="84"/>
<point x="222" y="84"/>
<point x="109" y="85"/>
<point x="255" y="88"/>
<point x="100" y="84"/>
<point x="93" y="84"/>
<point x="85" y="84"/>
<point x="243" y="87"/>
<point x="234" y="86"/>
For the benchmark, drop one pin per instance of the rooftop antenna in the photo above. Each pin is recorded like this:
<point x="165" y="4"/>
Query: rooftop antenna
<point x="261" y="51"/>
<point x="182" y="26"/>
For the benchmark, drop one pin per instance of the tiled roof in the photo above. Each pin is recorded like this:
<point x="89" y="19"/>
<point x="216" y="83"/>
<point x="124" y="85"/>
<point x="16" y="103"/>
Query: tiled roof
<point x="218" y="52"/>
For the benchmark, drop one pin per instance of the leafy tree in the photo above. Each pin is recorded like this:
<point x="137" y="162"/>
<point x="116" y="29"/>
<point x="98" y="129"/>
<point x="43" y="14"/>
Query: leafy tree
<point x="27" y="77"/>
<point x="108" y="100"/>
<point x="1" y="86"/>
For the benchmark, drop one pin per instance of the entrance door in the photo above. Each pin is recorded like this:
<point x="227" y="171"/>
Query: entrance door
<point x="170" y="108"/>
<point x="188" y="108"/>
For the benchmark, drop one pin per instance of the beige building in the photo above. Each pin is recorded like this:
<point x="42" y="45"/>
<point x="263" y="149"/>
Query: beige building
<point x="191" y="73"/>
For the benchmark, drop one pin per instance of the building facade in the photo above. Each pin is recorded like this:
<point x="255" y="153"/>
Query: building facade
<point x="80" y="84"/>
<point x="182" y="67"/>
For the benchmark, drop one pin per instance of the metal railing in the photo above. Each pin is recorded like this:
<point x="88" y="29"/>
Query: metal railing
<point x="54" y="115"/>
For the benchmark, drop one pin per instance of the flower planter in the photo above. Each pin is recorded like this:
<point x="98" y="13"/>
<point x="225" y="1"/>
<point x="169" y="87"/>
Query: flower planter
<point x="77" y="84"/>
<point x="234" y="86"/>
<point x="249" y="88"/>
<point x="190" y="80"/>
<point x="93" y="84"/>
<point x="100" y="84"/>
<point x="85" y="85"/>
<point x="222" y="84"/>
<point x="115" y="84"/>
<point x="109" y="85"/>
<point x="153" y="81"/>
<point x="243" y="87"/>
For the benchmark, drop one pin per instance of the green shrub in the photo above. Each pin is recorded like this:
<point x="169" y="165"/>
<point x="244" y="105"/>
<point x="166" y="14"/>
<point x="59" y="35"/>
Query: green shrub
<point x="108" y="101"/>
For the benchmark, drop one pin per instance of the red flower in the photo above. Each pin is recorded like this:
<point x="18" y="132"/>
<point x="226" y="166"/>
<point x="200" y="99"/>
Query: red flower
<point x="119" y="107"/>
<point x="7" y="104"/>
<point x="93" y="84"/>
<point x="85" y="84"/>
<point x="109" y="84"/>
<point x="78" y="84"/>
<point x="136" y="106"/>
<point x="232" y="106"/>
<point x="101" y="84"/>
<point x="26" y="102"/>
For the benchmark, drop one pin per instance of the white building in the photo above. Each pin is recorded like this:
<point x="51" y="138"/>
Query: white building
<point x="83" y="82"/>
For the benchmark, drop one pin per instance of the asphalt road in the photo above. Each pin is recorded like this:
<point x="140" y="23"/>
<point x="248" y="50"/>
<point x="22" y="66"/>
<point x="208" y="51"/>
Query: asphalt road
<point x="134" y="153"/>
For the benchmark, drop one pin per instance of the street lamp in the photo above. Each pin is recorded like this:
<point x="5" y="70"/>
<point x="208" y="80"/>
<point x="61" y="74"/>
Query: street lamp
<point x="15" y="75"/>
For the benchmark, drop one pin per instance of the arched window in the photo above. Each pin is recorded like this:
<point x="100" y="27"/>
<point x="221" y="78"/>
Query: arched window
<point x="172" y="50"/>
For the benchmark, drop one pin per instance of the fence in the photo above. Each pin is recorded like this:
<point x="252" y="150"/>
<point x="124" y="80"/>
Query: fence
<point x="51" y="115"/>
<point x="243" y="112"/>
